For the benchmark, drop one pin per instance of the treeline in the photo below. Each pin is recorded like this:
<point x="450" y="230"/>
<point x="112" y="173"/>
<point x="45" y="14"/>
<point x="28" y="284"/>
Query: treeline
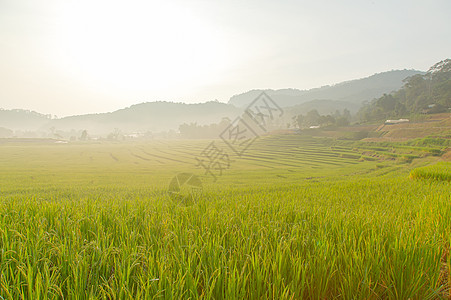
<point x="26" y="112"/>
<point x="313" y="118"/>
<point x="428" y="93"/>
<point x="195" y="131"/>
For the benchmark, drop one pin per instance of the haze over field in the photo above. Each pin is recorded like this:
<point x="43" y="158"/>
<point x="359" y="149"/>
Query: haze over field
<point x="76" y="57"/>
<point x="161" y="116"/>
<point x="225" y="149"/>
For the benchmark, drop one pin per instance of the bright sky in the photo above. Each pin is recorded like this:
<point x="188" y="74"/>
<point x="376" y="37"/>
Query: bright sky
<point x="68" y="57"/>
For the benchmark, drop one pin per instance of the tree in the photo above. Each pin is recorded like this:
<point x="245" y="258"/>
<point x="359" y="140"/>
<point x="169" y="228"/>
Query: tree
<point x="342" y="121"/>
<point x="347" y="114"/>
<point x="326" y="120"/>
<point x="84" y="135"/>
<point x="312" y="118"/>
<point x="115" y="134"/>
<point x="443" y="66"/>
<point x="5" y="132"/>
<point x="337" y="114"/>
<point x="420" y="93"/>
<point x="298" y="121"/>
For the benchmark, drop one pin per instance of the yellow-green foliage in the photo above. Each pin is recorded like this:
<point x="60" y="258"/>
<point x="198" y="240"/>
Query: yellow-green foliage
<point x="438" y="171"/>
<point x="290" y="220"/>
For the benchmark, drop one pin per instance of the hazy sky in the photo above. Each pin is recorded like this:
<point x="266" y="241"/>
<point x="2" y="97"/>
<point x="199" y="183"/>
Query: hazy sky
<point x="71" y="57"/>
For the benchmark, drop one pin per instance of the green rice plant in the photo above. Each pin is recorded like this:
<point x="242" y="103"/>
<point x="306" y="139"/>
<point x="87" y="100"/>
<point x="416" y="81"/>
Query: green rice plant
<point x="368" y="158"/>
<point x="438" y="171"/>
<point x="76" y="223"/>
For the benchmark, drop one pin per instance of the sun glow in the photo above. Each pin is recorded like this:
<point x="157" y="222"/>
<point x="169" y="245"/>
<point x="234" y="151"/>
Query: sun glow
<point x="138" y="45"/>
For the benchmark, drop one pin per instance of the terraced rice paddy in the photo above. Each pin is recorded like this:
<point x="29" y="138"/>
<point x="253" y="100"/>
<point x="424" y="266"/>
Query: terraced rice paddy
<point x="156" y="162"/>
<point x="294" y="217"/>
<point x="439" y="171"/>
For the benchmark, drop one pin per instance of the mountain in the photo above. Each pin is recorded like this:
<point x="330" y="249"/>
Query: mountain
<point x="354" y="91"/>
<point x="324" y="107"/>
<point x="20" y="119"/>
<point x="164" y="116"/>
<point x="150" y="116"/>
<point x="421" y="93"/>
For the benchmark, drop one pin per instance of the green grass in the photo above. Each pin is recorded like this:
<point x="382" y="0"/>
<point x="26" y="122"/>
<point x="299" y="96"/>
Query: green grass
<point x="439" y="171"/>
<point x="292" y="219"/>
<point x="443" y="141"/>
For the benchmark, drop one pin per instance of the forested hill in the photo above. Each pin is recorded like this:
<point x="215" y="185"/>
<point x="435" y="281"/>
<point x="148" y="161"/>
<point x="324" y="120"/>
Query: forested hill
<point x="150" y="116"/>
<point x="20" y="119"/>
<point x="421" y="93"/>
<point x="354" y="91"/>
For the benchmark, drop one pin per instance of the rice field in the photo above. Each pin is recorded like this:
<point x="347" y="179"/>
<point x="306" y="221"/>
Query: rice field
<point x="292" y="218"/>
<point x="439" y="171"/>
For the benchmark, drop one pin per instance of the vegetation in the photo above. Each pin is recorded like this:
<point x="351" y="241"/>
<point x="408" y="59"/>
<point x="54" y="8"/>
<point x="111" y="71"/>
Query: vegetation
<point x="442" y="141"/>
<point x="428" y="93"/>
<point x="439" y="171"/>
<point x="353" y="91"/>
<point x="144" y="117"/>
<point x="24" y="120"/>
<point x="162" y="119"/>
<point x="195" y="131"/>
<point x="313" y="118"/>
<point x="295" y="217"/>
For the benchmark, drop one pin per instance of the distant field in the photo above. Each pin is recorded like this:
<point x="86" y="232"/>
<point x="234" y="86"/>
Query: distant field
<point x="153" y="164"/>
<point x="294" y="217"/>
<point x="274" y="159"/>
<point x="430" y="125"/>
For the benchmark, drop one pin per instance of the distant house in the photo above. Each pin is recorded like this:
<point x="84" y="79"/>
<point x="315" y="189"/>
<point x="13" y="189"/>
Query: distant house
<point x="314" y="127"/>
<point x="392" y="122"/>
